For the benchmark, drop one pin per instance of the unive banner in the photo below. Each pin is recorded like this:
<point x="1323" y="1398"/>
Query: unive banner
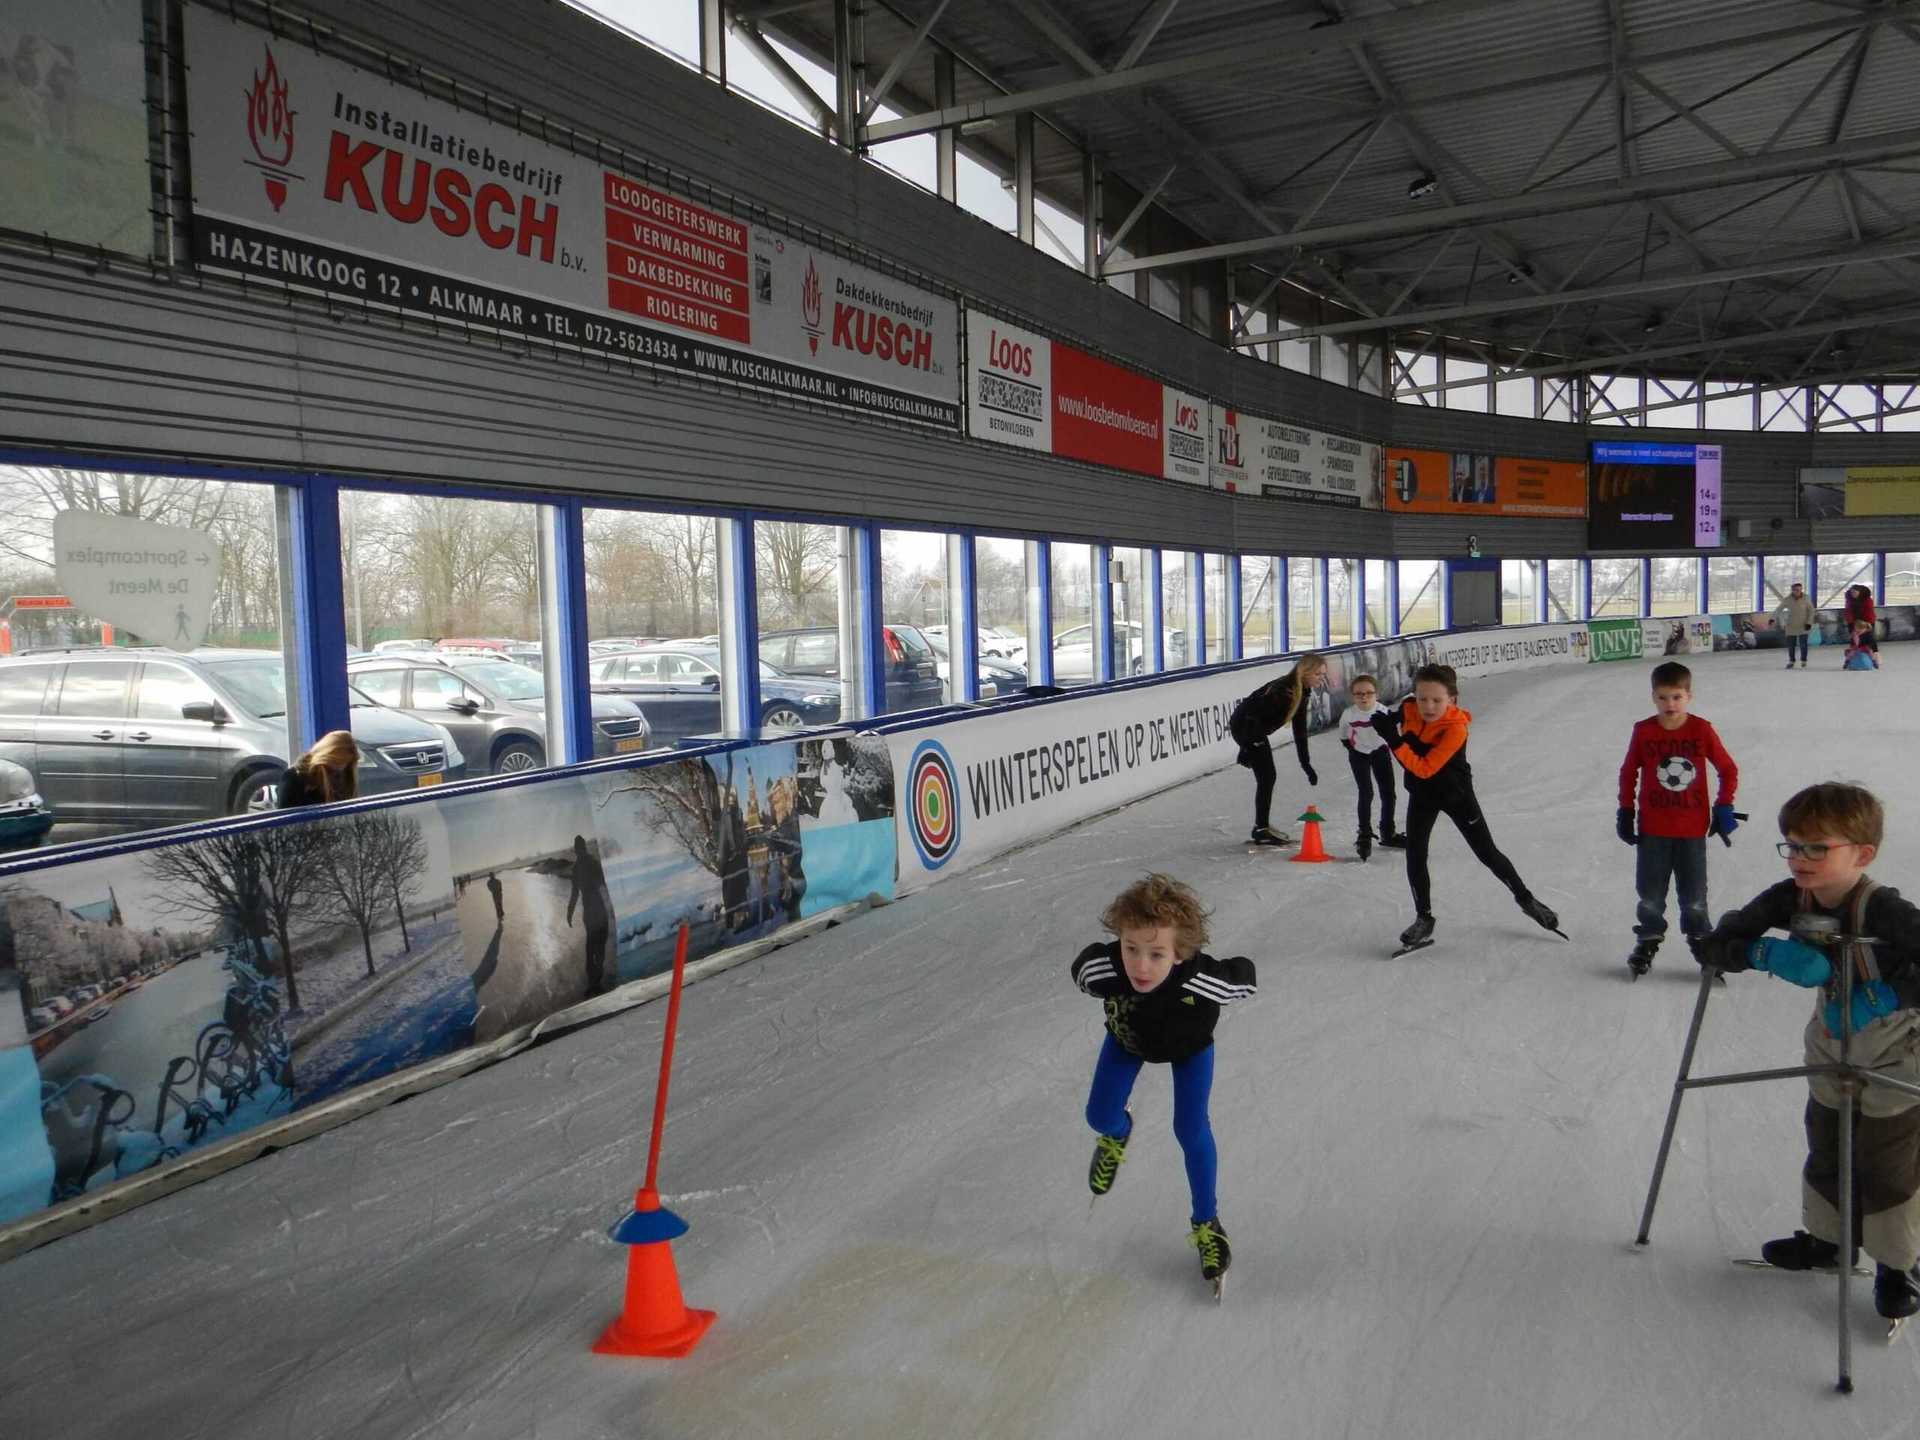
<point x="1434" y="482"/>
<point x="73" y="123"/>
<point x="1041" y="394"/>
<point x="1837" y="492"/>
<point x="1257" y="456"/>
<point x="316" y="174"/>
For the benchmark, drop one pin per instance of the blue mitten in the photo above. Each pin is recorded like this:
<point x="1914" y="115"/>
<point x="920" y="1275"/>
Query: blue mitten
<point x="1725" y="822"/>
<point x="1791" y="961"/>
<point x="1871" y="1000"/>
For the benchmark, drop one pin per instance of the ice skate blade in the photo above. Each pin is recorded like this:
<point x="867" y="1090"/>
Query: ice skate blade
<point x="1409" y="949"/>
<point x="1756" y="1263"/>
<point x="1220" y="1290"/>
<point x="1894" y="1327"/>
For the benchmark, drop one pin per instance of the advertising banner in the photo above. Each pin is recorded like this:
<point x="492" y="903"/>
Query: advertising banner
<point x="1834" y="492"/>
<point x="1491" y="652"/>
<point x="1039" y="394"/>
<point x="315" y="174"/>
<point x="1434" y="482"/>
<point x="1645" y="495"/>
<point x="73" y="123"/>
<point x="1615" y="640"/>
<point x="1257" y="456"/>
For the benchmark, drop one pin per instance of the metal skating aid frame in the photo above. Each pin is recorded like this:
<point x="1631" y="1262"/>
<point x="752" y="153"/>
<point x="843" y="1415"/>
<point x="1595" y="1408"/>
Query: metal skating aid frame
<point x="1852" y="1080"/>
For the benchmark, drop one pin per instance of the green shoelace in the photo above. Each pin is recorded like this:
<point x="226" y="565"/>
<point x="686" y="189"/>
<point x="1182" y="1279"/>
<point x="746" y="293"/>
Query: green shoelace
<point x="1109" y="1152"/>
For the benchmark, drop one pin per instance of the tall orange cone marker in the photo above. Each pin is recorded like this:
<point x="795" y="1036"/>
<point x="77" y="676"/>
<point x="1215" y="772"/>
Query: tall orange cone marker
<point x="654" y="1320"/>
<point x="1312" y="852"/>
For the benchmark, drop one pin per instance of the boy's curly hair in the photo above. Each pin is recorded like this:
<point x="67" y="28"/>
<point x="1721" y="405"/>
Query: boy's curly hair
<point x="1835" y="808"/>
<point x="1155" y="900"/>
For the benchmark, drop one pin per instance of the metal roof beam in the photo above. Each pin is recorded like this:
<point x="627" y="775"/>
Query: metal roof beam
<point x="902" y="60"/>
<point x="1299" y="44"/>
<point x="1144" y="34"/>
<point x="1147" y="198"/>
<point x="1681" y="180"/>
<point x="1615" y="290"/>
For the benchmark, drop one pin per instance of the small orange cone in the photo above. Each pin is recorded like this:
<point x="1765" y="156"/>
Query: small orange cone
<point x="655" y="1320"/>
<point x="1312" y="852"/>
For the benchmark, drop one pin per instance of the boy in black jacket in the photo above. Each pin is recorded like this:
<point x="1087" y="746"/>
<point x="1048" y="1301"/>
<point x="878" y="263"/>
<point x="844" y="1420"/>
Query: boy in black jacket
<point x="1833" y="833"/>
<point x="1162" y="996"/>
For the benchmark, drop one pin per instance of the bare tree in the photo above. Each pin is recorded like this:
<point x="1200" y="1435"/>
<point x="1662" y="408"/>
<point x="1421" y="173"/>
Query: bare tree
<point x="402" y="848"/>
<point x="681" y="799"/>
<point x="798" y="571"/>
<point x="351" y="880"/>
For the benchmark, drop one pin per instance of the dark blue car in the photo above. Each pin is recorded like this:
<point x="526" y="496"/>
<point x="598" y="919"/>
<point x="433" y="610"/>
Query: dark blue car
<point x="678" y="686"/>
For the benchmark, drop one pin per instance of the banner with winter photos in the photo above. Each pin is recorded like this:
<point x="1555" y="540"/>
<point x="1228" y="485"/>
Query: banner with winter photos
<point x="313" y="173"/>
<point x="186" y="991"/>
<point x="73" y="123"/>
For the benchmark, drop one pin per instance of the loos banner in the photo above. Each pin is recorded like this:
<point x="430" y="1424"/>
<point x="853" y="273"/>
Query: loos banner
<point x="1040" y="394"/>
<point x="1257" y="456"/>
<point x="318" y="175"/>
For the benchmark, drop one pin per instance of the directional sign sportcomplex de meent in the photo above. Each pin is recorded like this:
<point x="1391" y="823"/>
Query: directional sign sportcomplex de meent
<point x="154" y="580"/>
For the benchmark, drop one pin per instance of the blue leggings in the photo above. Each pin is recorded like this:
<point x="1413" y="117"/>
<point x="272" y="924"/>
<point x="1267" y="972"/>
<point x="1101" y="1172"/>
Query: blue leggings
<point x="1113" y="1076"/>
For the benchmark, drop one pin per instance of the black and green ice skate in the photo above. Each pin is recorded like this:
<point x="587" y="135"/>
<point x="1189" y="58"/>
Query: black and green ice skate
<point x="1209" y="1237"/>
<point x="1108" y="1152"/>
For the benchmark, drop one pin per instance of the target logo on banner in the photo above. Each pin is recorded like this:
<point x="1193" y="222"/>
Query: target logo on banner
<point x="935" y="797"/>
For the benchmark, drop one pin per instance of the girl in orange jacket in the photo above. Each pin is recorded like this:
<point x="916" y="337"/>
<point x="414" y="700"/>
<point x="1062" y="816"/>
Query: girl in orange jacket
<point x="1428" y="736"/>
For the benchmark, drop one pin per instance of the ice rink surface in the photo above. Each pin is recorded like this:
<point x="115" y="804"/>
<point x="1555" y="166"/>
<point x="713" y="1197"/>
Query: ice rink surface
<point x="1432" y="1169"/>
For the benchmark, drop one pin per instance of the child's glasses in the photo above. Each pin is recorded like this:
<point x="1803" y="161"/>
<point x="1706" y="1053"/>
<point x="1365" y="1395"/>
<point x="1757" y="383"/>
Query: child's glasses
<point x="1812" y="849"/>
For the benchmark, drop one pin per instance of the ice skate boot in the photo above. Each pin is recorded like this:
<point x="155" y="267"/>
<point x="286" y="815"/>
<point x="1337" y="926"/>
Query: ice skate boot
<point x="1416" y="936"/>
<point x="1363" y="844"/>
<point x="1801" y="1251"/>
<point x="1641" y="960"/>
<point x="1534" y="910"/>
<point x="1209" y="1237"/>
<point x="1108" y="1152"/>
<point x="1896" y="1295"/>
<point x="1391" y="839"/>
<point x="1267" y="835"/>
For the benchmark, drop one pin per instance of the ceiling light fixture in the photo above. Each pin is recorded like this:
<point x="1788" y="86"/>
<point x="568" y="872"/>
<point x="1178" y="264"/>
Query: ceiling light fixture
<point x="1422" y="187"/>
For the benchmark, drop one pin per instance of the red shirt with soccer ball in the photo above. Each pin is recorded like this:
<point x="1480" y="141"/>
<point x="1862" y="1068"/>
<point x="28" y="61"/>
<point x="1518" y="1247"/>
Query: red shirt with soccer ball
<point x="1668" y="767"/>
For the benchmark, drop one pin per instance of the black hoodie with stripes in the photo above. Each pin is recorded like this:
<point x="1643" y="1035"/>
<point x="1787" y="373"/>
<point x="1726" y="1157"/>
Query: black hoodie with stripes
<point x="1174" y="1020"/>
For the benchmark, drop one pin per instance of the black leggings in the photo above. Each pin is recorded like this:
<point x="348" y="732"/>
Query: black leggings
<point x="1369" y="771"/>
<point x="1464" y="811"/>
<point x="1260" y="761"/>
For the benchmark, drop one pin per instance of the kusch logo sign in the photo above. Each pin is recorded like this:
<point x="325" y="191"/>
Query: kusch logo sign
<point x="810" y="300"/>
<point x="270" y="130"/>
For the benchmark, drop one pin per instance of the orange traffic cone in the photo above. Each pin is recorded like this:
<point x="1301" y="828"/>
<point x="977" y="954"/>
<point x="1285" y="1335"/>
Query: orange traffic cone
<point x="654" y="1320"/>
<point x="1312" y="852"/>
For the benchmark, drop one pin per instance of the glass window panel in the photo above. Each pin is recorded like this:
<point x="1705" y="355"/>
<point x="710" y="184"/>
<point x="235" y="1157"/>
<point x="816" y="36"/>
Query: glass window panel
<point x="1778" y="575"/>
<point x="748" y="75"/>
<point x="1303" y="603"/>
<point x="913" y="597"/>
<point x="1467" y="397"/>
<point x="1295" y="355"/>
<point x="981" y="192"/>
<point x="383" y="687"/>
<point x="1728" y="411"/>
<point x="1419" y="595"/>
<point x="1340" y="573"/>
<point x="164" y="689"/>
<point x="1514" y="397"/>
<point x="1163" y="293"/>
<point x="1256" y="604"/>
<point x="1377" y="598"/>
<point x="1173" y="608"/>
<point x="229" y="534"/>
<point x="1729" y="584"/>
<point x="1563" y="591"/>
<point x="652" y="576"/>
<point x="1127" y="577"/>
<point x="1903" y="577"/>
<point x="1072" y="613"/>
<point x="1517" y="581"/>
<point x="669" y="25"/>
<point x="1336" y="361"/>
<point x="1219" y="620"/>
<point x="1616" y="587"/>
<point x="1056" y="232"/>
<point x="437" y="687"/>
<point x="1003" y="581"/>
<point x="1783" y="409"/>
<point x="1676" y="585"/>
<point x="805" y="594"/>
<point x="1836" y="574"/>
<point x="1369" y="368"/>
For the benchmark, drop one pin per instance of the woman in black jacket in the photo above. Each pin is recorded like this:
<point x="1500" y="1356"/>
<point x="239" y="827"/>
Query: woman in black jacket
<point x="324" y="774"/>
<point x="1278" y="703"/>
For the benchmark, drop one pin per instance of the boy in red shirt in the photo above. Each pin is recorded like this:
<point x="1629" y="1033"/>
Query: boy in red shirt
<point x="1666" y="762"/>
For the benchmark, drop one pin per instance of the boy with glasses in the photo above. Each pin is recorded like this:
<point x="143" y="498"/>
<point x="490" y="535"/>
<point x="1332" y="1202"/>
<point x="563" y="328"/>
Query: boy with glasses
<point x="1833" y="833"/>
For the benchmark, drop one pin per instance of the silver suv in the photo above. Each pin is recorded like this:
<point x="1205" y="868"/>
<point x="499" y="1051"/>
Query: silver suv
<point x="158" y="737"/>
<point x="495" y="708"/>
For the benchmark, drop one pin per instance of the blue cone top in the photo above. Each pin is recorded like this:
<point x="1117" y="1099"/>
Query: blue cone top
<point x="648" y="1227"/>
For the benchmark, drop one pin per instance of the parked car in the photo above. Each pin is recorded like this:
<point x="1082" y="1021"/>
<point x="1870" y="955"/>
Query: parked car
<point x="495" y="708"/>
<point x="157" y="737"/>
<point x="25" y="818"/>
<point x="389" y="647"/>
<point x="997" y="677"/>
<point x="913" y="672"/>
<point x="1073" y="651"/>
<point x="678" y="688"/>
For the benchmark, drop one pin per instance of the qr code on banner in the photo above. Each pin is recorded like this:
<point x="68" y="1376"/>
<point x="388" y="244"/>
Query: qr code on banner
<point x="1010" y="396"/>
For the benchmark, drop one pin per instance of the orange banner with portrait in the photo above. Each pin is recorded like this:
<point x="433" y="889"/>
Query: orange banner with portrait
<point x="1438" y="482"/>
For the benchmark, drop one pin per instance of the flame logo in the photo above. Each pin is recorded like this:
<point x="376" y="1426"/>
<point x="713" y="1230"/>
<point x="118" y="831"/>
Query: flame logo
<point x="810" y="306"/>
<point x="269" y="121"/>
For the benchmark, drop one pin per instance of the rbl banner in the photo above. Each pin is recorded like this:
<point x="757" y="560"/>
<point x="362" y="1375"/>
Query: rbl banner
<point x="315" y="174"/>
<point x="1040" y="394"/>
